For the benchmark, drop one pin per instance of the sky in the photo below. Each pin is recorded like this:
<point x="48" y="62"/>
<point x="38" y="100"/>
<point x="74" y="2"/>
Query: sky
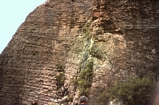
<point x="12" y="15"/>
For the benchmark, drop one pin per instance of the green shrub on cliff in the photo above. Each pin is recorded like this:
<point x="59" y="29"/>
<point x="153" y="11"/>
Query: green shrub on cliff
<point x="86" y="28"/>
<point x="60" y="77"/>
<point x="84" y="80"/>
<point x="134" y="91"/>
<point x="60" y="67"/>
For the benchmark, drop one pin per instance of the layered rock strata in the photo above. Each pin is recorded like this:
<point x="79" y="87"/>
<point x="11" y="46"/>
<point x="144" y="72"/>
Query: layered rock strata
<point x="61" y="36"/>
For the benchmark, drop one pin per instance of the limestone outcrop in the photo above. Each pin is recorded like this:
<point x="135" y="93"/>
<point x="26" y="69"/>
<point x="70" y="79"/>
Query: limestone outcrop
<point x="60" y="37"/>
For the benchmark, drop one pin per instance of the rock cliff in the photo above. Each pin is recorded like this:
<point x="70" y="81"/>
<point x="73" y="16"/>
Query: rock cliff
<point x="60" y="38"/>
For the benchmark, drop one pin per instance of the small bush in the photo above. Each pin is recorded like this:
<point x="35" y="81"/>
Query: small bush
<point x="69" y="98"/>
<point x="60" y="67"/>
<point x="60" y="77"/>
<point x="84" y="80"/>
<point x="72" y="22"/>
<point x="134" y="91"/>
<point x="86" y="28"/>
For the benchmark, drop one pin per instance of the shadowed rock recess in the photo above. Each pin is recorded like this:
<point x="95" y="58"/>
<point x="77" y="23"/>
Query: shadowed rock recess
<point x="60" y="37"/>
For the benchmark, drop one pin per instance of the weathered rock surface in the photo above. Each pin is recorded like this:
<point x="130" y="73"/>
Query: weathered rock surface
<point x="120" y="37"/>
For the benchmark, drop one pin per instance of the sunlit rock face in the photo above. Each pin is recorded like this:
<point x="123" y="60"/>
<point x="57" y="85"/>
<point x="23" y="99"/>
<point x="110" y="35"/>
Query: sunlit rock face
<point x="120" y="38"/>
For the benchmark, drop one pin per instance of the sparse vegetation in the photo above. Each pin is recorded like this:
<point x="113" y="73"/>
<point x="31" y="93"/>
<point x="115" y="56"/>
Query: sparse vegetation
<point x="86" y="28"/>
<point x="72" y="22"/>
<point x="69" y="98"/>
<point x="134" y="91"/>
<point x="95" y="51"/>
<point x="84" y="80"/>
<point x="60" y="77"/>
<point x="60" y="67"/>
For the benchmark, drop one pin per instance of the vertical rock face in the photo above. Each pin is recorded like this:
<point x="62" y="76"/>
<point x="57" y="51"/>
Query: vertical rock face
<point x="61" y="36"/>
